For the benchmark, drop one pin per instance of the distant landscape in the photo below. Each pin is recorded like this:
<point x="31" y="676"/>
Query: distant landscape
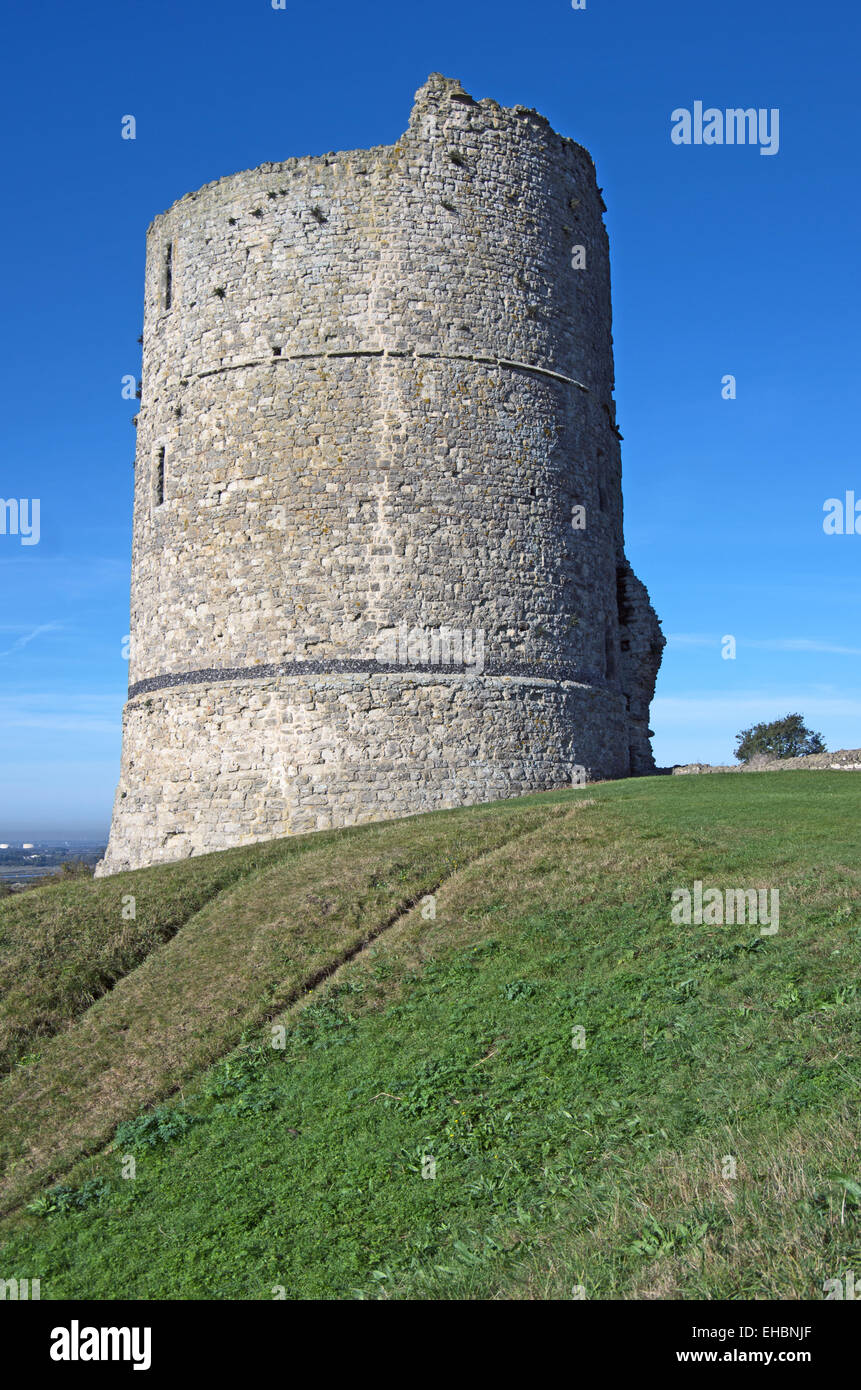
<point x="24" y="862"/>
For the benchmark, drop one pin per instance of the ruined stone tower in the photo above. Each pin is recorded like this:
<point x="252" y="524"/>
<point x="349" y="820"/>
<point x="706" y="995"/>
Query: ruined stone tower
<point x="378" y="562"/>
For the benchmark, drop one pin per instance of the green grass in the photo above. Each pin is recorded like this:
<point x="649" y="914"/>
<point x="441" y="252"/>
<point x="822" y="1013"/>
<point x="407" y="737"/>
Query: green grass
<point x="64" y="945"/>
<point x="603" y="1167"/>
<point x="275" y="921"/>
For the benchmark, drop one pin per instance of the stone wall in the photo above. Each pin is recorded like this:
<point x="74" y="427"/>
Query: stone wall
<point x="842" y="760"/>
<point x="375" y="392"/>
<point x="238" y="761"/>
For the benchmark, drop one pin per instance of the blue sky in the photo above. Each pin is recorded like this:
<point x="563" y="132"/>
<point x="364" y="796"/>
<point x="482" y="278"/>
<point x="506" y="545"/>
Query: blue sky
<point x="724" y="261"/>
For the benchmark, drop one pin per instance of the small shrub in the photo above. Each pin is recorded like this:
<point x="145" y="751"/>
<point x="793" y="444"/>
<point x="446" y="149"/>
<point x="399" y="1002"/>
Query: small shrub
<point x="159" y="1126"/>
<point x="782" y="738"/>
<point x="76" y="868"/>
<point x="61" y="1199"/>
<point x="519" y="989"/>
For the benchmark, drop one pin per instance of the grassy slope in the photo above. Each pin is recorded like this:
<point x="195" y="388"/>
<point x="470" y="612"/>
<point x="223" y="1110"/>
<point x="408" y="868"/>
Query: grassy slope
<point x="65" y="945"/>
<point x="602" y="1167"/>
<point x="245" y="954"/>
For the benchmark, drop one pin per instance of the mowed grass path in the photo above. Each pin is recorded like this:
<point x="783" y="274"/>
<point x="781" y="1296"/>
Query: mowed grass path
<point x="702" y="1144"/>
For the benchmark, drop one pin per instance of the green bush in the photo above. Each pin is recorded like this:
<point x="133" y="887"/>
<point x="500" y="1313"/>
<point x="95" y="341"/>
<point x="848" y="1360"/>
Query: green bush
<point x="159" y="1126"/>
<point x="782" y="738"/>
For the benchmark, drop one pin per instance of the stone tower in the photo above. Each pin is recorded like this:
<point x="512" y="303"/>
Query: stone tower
<point x="378" y="561"/>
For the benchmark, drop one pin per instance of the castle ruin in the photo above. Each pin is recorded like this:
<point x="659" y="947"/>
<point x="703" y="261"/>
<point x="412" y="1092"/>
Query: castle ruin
<point x="378" y="561"/>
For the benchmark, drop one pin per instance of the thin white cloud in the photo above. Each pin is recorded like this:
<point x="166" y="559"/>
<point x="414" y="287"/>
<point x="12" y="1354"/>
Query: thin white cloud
<point x="29" y="636"/>
<point x="803" y="644"/>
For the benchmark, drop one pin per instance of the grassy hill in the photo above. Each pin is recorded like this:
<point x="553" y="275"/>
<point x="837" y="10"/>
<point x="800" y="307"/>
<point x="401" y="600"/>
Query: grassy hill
<point x="426" y="978"/>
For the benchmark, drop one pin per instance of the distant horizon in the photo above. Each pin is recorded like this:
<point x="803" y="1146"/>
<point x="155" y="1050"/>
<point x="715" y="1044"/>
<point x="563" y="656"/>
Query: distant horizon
<point x="53" y="841"/>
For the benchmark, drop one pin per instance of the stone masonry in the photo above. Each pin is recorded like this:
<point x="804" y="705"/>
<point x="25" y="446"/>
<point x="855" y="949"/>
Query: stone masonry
<point x="378" y="561"/>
